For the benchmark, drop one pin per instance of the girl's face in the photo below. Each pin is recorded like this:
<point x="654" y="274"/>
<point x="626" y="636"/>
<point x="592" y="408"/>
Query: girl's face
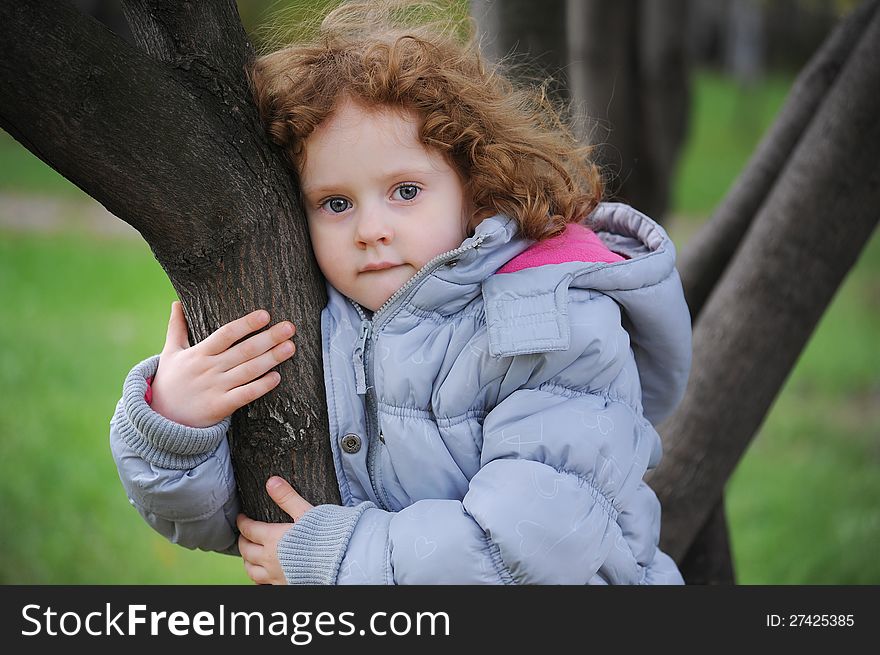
<point x="379" y="204"/>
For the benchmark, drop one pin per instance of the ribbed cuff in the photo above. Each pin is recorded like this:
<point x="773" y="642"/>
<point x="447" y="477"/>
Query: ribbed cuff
<point x="312" y="550"/>
<point x="157" y="439"/>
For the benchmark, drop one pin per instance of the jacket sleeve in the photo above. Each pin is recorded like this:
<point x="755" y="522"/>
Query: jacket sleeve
<point x="560" y="484"/>
<point x="177" y="477"/>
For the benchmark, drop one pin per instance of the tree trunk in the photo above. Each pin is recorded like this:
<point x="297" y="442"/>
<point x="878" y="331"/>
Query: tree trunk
<point x="528" y="36"/>
<point x="744" y="46"/>
<point x="624" y="68"/>
<point x="629" y="72"/>
<point x="169" y="140"/>
<point x="708" y="560"/>
<point x="804" y="239"/>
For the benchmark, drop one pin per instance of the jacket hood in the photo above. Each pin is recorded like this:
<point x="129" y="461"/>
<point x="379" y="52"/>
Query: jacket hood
<point x="526" y="311"/>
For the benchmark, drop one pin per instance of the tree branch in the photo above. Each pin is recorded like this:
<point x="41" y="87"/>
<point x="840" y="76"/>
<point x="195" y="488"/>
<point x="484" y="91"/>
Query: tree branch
<point x="804" y="240"/>
<point x="179" y="32"/>
<point x="710" y="250"/>
<point x="124" y="129"/>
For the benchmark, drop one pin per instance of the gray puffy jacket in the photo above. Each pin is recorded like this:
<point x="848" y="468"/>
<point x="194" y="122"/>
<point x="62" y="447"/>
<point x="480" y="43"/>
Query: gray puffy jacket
<point x="485" y="428"/>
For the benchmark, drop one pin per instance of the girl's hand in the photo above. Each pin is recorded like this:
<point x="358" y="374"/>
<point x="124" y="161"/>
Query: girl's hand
<point x="258" y="541"/>
<point x="201" y="385"/>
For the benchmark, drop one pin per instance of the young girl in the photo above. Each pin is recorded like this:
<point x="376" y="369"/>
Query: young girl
<point x="496" y="344"/>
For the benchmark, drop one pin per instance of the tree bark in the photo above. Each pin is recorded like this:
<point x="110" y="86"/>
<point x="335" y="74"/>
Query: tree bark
<point x="708" y="560"/>
<point x="170" y="142"/>
<point x="805" y="238"/>
<point x="109" y="12"/>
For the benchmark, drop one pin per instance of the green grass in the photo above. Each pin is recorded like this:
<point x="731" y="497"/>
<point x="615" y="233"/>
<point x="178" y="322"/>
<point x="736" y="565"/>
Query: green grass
<point x="79" y="310"/>
<point x="24" y="173"/>
<point x="727" y="121"/>
<point x="803" y="503"/>
<point x="77" y="313"/>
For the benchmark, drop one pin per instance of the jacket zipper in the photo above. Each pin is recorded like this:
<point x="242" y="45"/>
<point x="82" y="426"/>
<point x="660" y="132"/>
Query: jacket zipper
<point x="360" y="369"/>
<point x="358" y="357"/>
<point x="362" y="358"/>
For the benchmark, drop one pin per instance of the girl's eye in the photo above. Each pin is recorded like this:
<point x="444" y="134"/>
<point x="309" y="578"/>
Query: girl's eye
<point x="406" y="192"/>
<point x="336" y="205"/>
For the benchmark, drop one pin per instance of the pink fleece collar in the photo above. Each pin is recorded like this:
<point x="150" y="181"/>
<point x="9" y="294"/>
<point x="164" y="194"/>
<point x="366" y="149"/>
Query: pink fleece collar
<point x="577" y="243"/>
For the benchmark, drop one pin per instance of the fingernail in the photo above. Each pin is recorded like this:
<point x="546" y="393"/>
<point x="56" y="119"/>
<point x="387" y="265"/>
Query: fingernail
<point x="273" y="483"/>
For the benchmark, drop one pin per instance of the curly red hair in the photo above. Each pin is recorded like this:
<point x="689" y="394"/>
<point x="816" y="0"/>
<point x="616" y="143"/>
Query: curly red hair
<point x="510" y="145"/>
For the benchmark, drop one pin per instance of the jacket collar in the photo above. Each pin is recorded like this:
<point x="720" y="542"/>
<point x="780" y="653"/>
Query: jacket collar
<point x="452" y="280"/>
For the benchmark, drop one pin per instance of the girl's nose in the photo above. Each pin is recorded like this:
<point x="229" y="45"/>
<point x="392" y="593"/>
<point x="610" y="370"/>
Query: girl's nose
<point x="373" y="228"/>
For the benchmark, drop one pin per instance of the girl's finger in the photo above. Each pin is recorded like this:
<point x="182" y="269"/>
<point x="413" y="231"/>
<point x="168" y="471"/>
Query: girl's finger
<point x="248" y="393"/>
<point x="224" y="337"/>
<point x="251" y="370"/>
<point x="250" y="551"/>
<point x="255" y="346"/>
<point x="286" y="497"/>
<point x="176" y="338"/>
<point x="257" y="573"/>
<point x="255" y="531"/>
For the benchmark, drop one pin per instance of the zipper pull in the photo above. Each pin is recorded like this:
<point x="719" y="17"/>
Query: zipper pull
<point x="360" y="371"/>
